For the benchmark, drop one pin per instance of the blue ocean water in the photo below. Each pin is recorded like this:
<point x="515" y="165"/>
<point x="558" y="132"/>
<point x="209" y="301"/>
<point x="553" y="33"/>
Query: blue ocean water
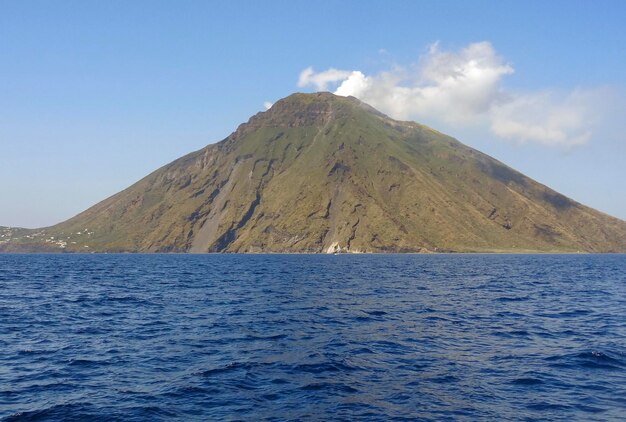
<point x="309" y="337"/>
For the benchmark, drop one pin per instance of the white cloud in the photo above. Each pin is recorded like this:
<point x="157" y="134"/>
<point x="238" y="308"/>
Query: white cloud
<point x="267" y="105"/>
<point x="356" y="85"/>
<point x="546" y="118"/>
<point x="465" y="88"/>
<point x="321" y="80"/>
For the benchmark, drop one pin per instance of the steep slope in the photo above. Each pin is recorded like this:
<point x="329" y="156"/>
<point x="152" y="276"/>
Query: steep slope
<point x="322" y="173"/>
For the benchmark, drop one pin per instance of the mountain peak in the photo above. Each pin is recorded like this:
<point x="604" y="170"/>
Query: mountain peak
<point x="327" y="99"/>
<point x="315" y="97"/>
<point x="312" y="109"/>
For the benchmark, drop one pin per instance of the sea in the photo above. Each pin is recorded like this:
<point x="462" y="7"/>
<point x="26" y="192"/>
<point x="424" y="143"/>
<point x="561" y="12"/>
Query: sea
<point x="440" y="337"/>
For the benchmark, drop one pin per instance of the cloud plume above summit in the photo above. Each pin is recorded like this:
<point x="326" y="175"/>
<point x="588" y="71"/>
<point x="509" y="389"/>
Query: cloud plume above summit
<point x="465" y="88"/>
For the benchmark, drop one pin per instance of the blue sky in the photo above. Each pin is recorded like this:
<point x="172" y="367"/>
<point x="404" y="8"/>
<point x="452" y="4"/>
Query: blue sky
<point x="95" y="95"/>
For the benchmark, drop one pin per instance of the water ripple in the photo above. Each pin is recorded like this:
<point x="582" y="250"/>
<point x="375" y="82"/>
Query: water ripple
<point x="290" y="337"/>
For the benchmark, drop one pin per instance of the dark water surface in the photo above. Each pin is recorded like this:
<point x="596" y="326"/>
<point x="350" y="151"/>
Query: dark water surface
<point x="295" y="337"/>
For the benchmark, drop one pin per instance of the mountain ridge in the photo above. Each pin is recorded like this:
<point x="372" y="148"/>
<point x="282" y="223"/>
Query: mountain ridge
<point x="323" y="173"/>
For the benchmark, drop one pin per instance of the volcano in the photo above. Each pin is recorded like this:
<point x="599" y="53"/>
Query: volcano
<point x="323" y="173"/>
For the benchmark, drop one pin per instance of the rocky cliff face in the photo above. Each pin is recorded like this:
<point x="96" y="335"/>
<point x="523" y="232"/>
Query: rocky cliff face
<point x="321" y="173"/>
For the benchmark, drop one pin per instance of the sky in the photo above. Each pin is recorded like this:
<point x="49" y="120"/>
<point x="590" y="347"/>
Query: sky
<point x="96" y="95"/>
